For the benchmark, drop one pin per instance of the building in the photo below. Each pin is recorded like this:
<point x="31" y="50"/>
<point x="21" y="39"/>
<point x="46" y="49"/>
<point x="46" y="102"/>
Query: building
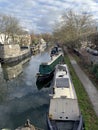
<point x="24" y="39"/>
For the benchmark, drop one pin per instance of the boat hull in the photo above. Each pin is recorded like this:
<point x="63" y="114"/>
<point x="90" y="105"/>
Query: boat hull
<point x="65" y="124"/>
<point x="64" y="112"/>
<point x="45" y="78"/>
<point x="43" y="85"/>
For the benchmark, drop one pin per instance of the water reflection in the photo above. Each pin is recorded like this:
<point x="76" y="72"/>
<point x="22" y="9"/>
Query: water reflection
<point x="24" y="100"/>
<point x="41" y="85"/>
<point x="3" y="86"/>
<point x="12" y="70"/>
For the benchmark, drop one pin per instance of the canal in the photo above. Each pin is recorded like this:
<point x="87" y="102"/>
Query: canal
<point x="21" y="98"/>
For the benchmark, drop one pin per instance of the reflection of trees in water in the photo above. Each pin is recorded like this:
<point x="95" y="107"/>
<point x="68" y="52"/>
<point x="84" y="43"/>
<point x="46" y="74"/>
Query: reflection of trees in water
<point x="7" y="73"/>
<point x="43" y="85"/>
<point x="3" y="88"/>
<point x="32" y="106"/>
<point x="12" y="70"/>
<point x="22" y="99"/>
<point x="38" y="117"/>
<point x="3" y="93"/>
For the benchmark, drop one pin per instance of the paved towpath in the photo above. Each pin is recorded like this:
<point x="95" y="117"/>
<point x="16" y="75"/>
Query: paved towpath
<point x="89" y="87"/>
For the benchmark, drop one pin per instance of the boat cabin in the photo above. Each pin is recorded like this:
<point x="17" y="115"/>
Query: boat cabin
<point x="64" y="112"/>
<point x="48" y="67"/>
<point x="54" y="51"/>
<point x="62" y="83"/>
<point x="64" y="109"/>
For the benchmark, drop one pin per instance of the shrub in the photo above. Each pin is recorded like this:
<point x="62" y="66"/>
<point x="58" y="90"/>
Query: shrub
<point x="95" y="69"/>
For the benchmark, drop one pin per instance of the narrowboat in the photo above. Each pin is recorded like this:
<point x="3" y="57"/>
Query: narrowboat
<point x="64" y="112"/>
<point x="54" y="51"/>
<point x="46" y="69"/>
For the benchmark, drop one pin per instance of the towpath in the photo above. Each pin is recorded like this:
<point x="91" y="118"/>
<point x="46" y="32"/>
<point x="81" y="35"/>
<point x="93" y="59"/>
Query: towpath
<point x="88" y="85"/>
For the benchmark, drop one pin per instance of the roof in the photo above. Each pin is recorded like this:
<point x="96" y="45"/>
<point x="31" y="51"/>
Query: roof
<point x="53" y="59"/>
<point x="64" y="109"/>
<point x="65" y="92"/>
<point x="63" y="104"/>
<point x="63" y="85"/>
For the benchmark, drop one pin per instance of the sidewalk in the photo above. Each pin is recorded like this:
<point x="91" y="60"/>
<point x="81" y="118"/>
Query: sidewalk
<point x="89" y="87"/>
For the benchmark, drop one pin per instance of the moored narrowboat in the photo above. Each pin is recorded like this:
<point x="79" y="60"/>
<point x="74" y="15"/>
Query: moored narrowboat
<point x="46" y="70"/>
<point x="64" y="112"/>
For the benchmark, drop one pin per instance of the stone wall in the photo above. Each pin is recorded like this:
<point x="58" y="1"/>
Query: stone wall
<point x="9" y="50"/>
<point x="1" y="51"/>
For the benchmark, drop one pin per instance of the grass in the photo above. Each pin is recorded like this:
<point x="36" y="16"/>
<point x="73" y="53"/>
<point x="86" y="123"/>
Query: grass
<point x="90" y="118"/>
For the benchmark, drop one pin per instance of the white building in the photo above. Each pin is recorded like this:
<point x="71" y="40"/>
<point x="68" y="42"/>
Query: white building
<point x="20" y="39"/>
<point x="2" y="39"/>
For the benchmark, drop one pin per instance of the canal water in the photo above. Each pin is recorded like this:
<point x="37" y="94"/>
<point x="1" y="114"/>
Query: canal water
<point x="21" y="98"/>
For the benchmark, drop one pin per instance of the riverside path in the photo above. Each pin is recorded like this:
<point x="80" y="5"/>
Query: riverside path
<point x="88" y="85"/>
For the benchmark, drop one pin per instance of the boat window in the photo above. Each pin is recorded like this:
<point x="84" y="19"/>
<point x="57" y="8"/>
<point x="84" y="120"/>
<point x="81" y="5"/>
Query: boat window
<point x="62" y="83"/>
<point x="60" y="117"/>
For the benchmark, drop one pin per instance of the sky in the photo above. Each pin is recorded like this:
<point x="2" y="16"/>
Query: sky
<point x="40" y="16"/>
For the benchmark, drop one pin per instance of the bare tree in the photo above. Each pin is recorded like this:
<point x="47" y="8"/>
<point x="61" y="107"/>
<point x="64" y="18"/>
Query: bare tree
<point x="47" y="37"/>
<point x="74" y="27"/>
<point x="9" y="26"/>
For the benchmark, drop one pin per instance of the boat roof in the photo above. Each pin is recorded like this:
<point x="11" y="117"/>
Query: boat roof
<point x="61" y="69"/>
<point x="65" y="92"/>
<point x="63" y="85"/>
<point x="64" y="109"/>
<point x="53" y="59"/>
<point x="63" y="104"/>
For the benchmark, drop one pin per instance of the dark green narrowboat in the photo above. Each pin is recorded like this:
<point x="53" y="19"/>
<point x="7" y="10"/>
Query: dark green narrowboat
<point x="46" y="70"/>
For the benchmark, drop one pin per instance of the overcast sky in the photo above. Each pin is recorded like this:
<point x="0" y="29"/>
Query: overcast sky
<point x="40" y="15"/>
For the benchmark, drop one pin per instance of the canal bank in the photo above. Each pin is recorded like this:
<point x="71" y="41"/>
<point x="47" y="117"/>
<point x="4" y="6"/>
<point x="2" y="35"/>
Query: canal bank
<point x="90" y="118"/>
<point x="24" y="100"/>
